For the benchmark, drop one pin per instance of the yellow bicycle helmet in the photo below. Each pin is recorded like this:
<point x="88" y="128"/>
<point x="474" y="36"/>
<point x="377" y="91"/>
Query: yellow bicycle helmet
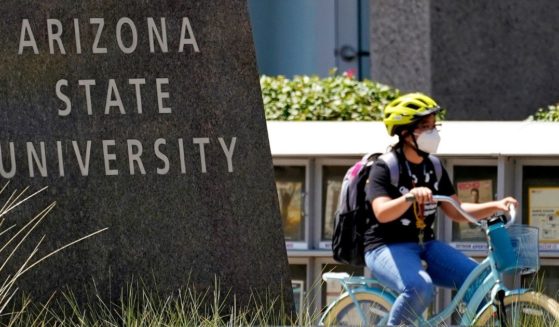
<point x="408" y="109"/>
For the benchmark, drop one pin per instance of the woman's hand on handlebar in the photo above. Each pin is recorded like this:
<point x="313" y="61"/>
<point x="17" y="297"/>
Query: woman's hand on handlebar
<point x="504" y="204"/>
<point x="422" y="194"/>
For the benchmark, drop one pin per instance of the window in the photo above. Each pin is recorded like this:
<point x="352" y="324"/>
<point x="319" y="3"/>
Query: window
<point x="293" y="37"/>
<point x="298" y="278"/>
<point x="310" y="37"/>
<point x="332" y="177"/>
<point x="290" y="184"/>
<point x="473" y="184"/>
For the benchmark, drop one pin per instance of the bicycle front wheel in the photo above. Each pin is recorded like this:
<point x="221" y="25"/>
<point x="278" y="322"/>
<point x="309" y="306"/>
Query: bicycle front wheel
<point x="345" y="313"/>
<point x="528" y="309"/>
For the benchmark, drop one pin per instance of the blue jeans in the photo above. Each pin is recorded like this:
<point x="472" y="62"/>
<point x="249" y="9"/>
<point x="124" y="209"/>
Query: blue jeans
<point x="398" y="266"/>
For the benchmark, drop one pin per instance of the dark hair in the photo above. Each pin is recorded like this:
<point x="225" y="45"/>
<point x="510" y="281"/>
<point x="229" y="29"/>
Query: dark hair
<point x="399" y="130"/>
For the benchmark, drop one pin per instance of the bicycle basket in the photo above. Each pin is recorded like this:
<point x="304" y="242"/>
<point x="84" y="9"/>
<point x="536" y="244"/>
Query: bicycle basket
<point x="525" y="243"/>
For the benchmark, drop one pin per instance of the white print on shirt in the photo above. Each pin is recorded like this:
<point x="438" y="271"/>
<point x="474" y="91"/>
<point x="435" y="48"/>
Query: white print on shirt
<point x="430" y="208"/>
<point x="405" y="222"/>
<point x="404" y="190"/>
<point x="427" y="176"/>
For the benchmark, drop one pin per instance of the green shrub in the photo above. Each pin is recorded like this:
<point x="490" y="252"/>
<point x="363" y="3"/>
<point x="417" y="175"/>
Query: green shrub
<point x="337" y="97"/>
<point x="551" y="113"/>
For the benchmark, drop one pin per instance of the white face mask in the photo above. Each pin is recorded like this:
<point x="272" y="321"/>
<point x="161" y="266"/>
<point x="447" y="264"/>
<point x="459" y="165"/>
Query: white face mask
<point x="428" y="141"/>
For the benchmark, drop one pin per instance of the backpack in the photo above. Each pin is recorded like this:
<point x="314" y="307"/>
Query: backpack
<point x="354" y="213"/>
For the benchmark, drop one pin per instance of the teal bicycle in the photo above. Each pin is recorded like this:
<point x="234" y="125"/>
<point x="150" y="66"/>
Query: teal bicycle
<point x="513" y="249"/>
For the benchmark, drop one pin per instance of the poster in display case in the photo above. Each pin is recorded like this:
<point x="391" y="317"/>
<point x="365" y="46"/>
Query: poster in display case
<point x="473" y="191"/>
<point x="290" y="186"/>
<point x="543" y="212"/>
<point x="290" y="195"/>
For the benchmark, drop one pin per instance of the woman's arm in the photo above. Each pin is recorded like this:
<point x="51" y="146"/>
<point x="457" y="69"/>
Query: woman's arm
<point x="478" y="210"/>
<point x="387" y="209"/>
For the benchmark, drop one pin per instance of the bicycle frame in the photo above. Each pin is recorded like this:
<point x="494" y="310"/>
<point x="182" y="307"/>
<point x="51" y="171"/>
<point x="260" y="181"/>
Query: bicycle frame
<point x="491" y="285"/>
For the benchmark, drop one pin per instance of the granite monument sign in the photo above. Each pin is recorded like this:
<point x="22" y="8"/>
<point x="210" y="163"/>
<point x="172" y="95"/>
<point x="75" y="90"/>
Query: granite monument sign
<point x="144" y="117"/>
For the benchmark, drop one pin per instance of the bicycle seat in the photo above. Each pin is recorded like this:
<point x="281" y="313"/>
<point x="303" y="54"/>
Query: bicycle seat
<point x="334" y="275"/>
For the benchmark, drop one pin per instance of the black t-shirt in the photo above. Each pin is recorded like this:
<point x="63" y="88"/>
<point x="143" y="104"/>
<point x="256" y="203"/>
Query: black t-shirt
<point x="404" y="228"/>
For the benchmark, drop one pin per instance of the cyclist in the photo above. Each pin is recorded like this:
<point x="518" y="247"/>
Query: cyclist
<point x="401" y="234"/>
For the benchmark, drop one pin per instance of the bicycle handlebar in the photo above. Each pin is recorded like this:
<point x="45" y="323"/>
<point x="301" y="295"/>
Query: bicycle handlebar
<point x="470" y="218"/>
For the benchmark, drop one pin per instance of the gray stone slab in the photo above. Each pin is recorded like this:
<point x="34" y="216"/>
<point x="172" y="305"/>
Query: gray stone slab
<point x="151" y="121"/>
<point x="484" y="60"/>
